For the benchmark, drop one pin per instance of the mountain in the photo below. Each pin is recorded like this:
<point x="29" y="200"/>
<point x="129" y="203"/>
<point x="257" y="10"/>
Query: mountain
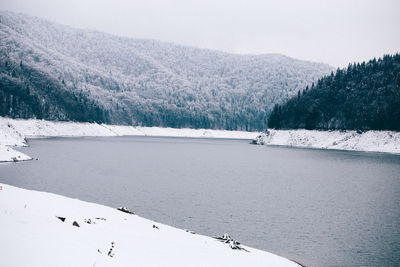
<point x="57" y="72"/>
<point x="363" y="96"/>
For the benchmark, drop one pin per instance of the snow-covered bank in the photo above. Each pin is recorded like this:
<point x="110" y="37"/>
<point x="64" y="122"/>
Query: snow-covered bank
<point x="9" y="154"/>
<point x="13" y="133"/>
<point x="373" y="141"/>
<point x="43" y="229"/>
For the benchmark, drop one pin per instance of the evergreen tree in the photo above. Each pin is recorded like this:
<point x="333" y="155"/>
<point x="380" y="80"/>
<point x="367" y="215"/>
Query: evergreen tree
<point x="363" y="96"/>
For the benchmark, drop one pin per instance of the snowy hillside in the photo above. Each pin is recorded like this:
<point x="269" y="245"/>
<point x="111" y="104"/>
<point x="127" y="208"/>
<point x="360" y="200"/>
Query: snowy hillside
<point x="43" y="229"/>
<point x="141" y="82"/>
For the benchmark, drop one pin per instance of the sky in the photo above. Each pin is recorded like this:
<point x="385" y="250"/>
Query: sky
<point x="335" y="32"/>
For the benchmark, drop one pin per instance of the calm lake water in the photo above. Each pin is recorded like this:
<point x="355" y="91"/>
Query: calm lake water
<point x="320" y="208"/>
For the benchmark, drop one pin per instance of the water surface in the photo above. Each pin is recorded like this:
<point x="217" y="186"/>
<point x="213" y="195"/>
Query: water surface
<point x="318" y="207"/>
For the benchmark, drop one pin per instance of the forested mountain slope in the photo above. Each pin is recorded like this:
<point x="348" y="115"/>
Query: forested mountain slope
<point x="364" y="96"/>
<point x="57" y="72"/>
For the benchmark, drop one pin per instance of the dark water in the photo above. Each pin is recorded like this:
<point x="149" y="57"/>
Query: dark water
<point x="321" y="208"/>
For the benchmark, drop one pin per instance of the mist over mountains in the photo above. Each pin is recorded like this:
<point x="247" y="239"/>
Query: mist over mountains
<point x="57" y="72"/>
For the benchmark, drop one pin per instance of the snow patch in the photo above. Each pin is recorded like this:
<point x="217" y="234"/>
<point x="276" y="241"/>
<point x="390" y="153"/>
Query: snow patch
<point x="9" y="154"/>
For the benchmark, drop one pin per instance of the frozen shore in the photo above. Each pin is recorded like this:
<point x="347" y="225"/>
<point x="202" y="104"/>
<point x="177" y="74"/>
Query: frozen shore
<point x="373" y="141"/>
<point x="44" y="229"/>
<point x="14" y="131"/>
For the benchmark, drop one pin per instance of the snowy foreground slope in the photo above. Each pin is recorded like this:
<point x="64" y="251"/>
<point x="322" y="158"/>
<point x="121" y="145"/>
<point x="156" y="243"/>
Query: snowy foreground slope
<point x="34" y="233"/>
<point x="13" y="133"/>
<point x="374" y="141"/>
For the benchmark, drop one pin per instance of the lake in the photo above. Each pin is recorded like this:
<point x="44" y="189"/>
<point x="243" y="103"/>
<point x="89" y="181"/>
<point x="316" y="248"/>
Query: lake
<point x="318" y="207"/>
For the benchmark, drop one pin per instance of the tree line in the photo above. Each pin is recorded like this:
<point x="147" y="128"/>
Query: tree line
<point x="363" y="96"/>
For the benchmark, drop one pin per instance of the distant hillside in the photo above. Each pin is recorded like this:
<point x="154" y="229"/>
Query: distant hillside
<point x="364" y="96"/>
<point x="57" y="72"/>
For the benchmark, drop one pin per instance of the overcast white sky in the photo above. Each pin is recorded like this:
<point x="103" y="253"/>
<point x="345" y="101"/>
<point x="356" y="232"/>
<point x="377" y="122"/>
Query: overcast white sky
<point x="331" y="31"/>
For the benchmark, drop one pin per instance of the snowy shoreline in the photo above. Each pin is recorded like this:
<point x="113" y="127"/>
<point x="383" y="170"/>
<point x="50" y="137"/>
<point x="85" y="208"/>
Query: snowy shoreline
<point x="14" y="132"/>
<point x="370" y="141"/>
<point x="52" y="230"/>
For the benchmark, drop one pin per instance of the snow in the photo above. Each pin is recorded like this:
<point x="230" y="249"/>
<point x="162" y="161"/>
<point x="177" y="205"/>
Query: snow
<point x="9" y="154"/>
<point x="373" y="141"/>
<point x="14" y="131"/>
<point x="197" y="133"/>
<point x="32" y="235"/>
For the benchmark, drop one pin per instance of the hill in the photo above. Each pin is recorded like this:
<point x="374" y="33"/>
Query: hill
<point x="60" y="73"/>
<point x="363" y="96"/>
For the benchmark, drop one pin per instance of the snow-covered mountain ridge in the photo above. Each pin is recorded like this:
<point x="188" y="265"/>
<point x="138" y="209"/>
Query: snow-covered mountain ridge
<point x="119" y="80"/>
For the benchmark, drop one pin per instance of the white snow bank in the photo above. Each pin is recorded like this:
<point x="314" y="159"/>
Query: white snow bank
<point x="33" y="235"/>
<point x="14" y="131"/>
<point x="197" y="133"/>
<point x="10" y="137"/>
<point x="374" y="141"/>
<point x="9" y="154"/>
<point x="40" y="128"/>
